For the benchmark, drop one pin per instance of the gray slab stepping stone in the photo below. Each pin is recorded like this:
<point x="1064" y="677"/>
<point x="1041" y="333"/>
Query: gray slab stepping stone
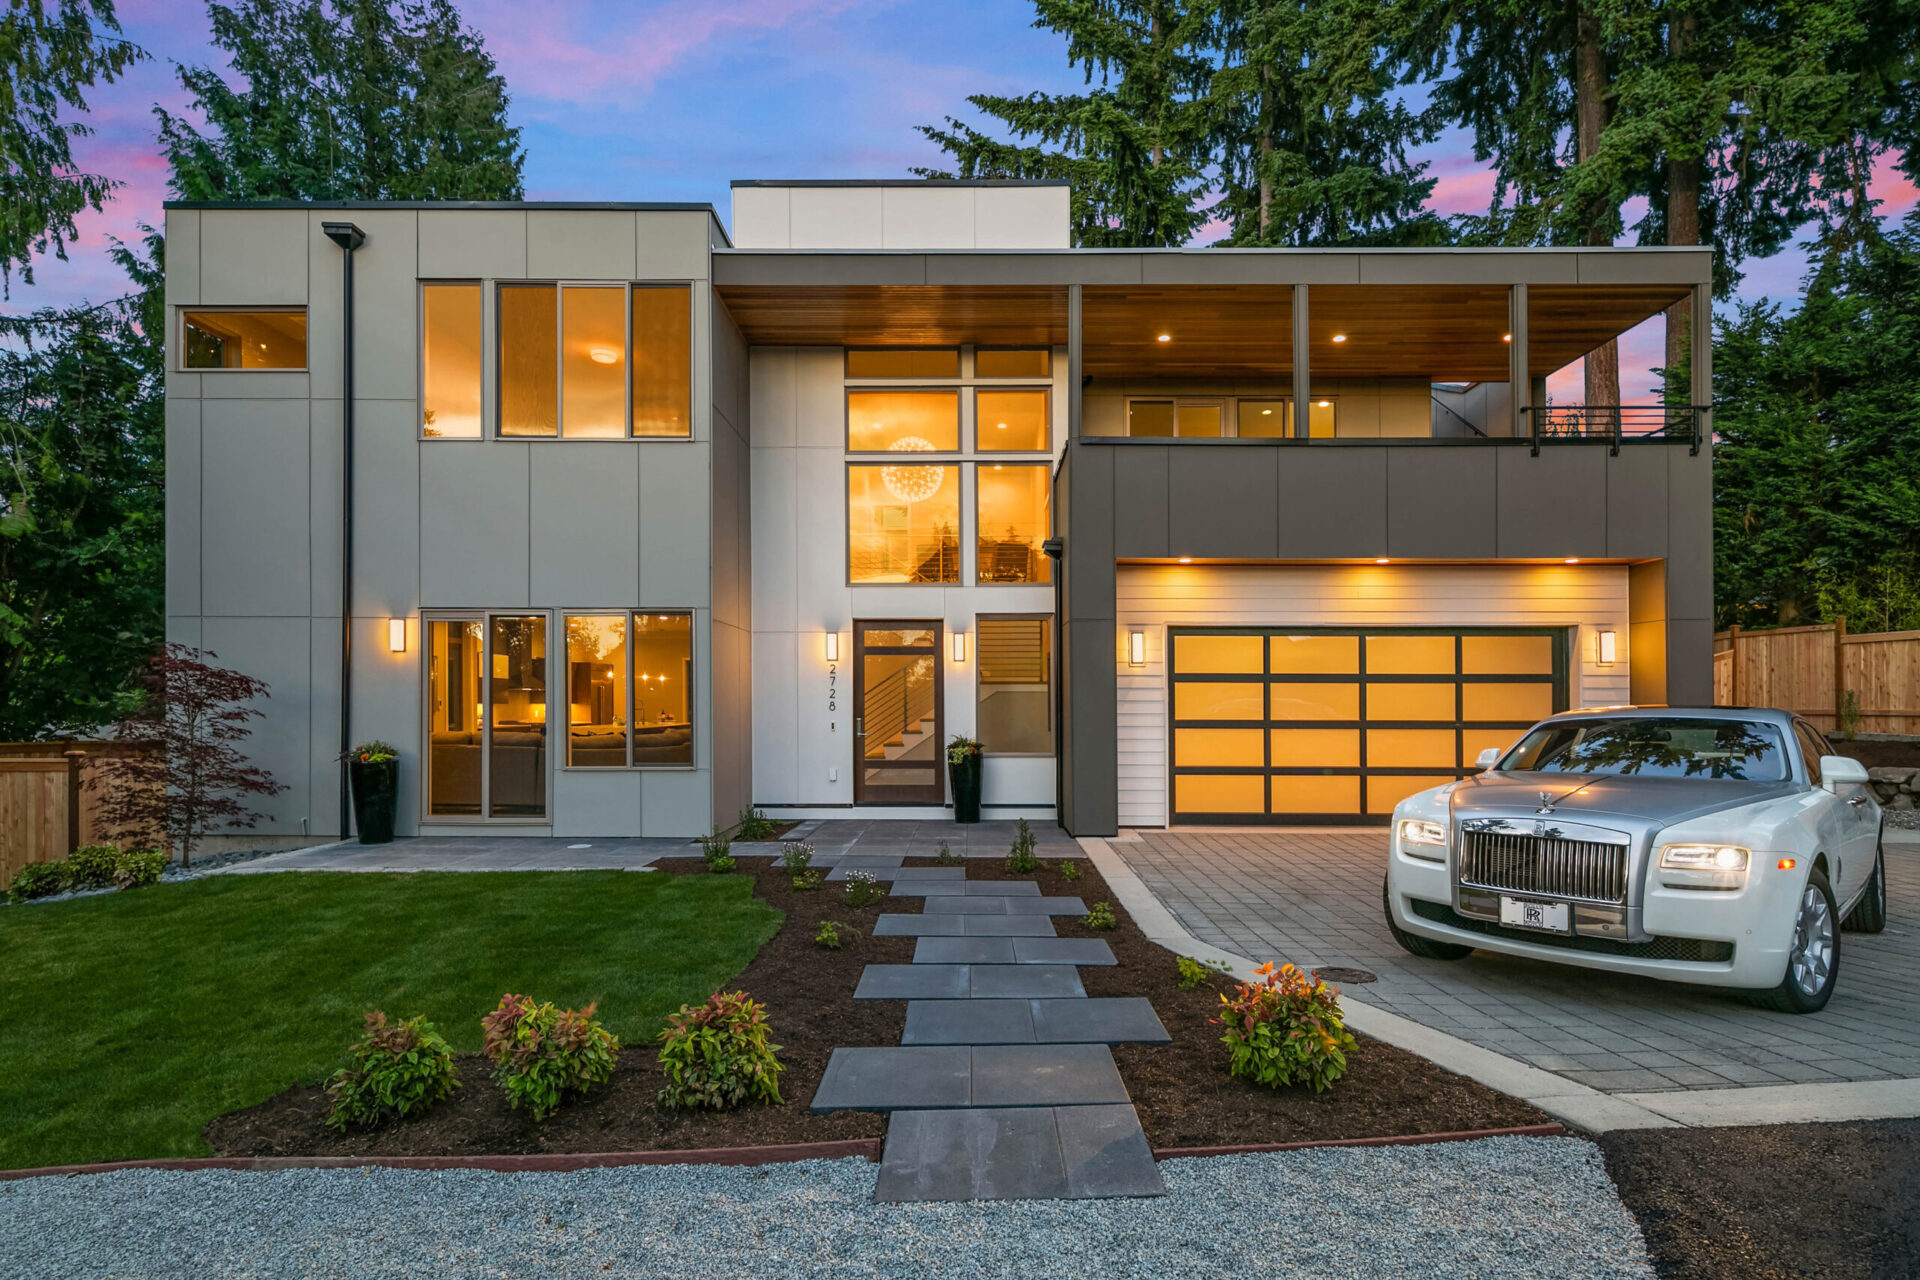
<point x="842" y="871"/>
<point x="1020" y="981"/>
<point x="969" y="1022"/>
<point x="1106" y="1153"/>
<point x="998" y="926"/>
<point x="883" y="1079"/>
<point x="945" y="950"/>
<point x="958" y="904"/>
<point x="1045" y="906"/>
<point x="918" y="982"/>
<point x="930" y="874"/>
<point x="1043" y="1075"/>
<point x="929" y="888"/>
<point x="871" y="861"/>
<point x="942" y="926"/>
<point x="1108" y="1020"/>
<point x="917" y="888"/>
<point x="1004" y="1154"/>
<point x="1061" y="950"/>
<point x="1002" y="889"/>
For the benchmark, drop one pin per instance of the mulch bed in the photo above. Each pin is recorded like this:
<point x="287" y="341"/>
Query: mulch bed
<point x="1181" y="1090"/>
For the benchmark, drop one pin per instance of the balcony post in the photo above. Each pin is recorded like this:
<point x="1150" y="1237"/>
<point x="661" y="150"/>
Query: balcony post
<point x="1701" y="364"/>
<point x="1302" y="371"/>
<point x="1519" y="386"/>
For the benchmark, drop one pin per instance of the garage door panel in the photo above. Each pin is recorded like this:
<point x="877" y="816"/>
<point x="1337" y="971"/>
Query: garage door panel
<point x="1218" y="655"/>
<point x="1410" y="655"/>
<point x="1474" y="741"/>
<point x="1315" y="748"/>
<point x="1410" y="701"/>
<point x="1315" y="793"/>
<point x="1314" y="655"/>
<point x="1385" y="790"/>
<point x="1220" y="793"/>
<point x="1217" y="700"/>
<point x="1219" y="748"/>
<point x="1412" y="748"/>
<point x="1507" y="701"/>
<point x="1314" y="701"/>
<point x="1506" y="655"/>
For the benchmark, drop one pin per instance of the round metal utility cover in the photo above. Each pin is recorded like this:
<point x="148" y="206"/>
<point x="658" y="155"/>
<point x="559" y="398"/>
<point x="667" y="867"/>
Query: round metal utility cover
<point x="1349" y="976"/>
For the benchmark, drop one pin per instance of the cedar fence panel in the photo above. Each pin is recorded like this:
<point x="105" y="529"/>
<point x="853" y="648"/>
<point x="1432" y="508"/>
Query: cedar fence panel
<point x="39" y="820"/>
<point x="1808" y="670"/>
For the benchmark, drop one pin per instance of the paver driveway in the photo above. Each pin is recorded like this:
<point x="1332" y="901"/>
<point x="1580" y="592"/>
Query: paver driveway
<point x="1313" y="898"/>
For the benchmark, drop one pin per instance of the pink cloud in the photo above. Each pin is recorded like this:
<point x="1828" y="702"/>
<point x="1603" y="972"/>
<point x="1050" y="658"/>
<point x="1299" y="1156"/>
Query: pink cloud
<point x="1462" y="185"/>
<point x="1894" y="190"/>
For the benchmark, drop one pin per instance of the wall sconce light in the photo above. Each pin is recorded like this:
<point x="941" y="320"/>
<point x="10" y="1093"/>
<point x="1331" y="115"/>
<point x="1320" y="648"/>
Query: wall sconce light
<point x="397" y="635"/>
<point x="959" y="646"/>
<point x="1137" y="647"/>
<point x="1609" y="648"/>
<point x="833" y="646"/>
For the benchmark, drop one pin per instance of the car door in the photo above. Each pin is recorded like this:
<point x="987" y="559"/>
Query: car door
<point x="1858" y="815"/>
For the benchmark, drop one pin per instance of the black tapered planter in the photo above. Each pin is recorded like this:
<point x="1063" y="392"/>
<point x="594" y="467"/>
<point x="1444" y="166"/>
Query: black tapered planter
<point x="376" y="790"/>
<point x="965" y="779"/>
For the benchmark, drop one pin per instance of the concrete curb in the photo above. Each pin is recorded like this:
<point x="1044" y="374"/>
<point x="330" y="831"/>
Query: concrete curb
<point x="1402" y="1140"/>
<point x="1577" y="1104"/>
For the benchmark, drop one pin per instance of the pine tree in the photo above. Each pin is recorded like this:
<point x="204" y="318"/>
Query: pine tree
<point x="345" y="100"/>
<point x="1134" y="147"/>
<point x="1311" y="149"/>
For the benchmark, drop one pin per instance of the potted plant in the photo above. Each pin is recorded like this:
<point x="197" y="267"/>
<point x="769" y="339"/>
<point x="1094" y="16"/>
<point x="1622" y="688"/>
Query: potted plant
<point x="963" y="771"/>
<point x="374" y="768"/>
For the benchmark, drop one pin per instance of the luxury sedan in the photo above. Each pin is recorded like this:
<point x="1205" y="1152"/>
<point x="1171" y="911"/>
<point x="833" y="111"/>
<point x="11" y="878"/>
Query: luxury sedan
<point x="1717" y="845"/>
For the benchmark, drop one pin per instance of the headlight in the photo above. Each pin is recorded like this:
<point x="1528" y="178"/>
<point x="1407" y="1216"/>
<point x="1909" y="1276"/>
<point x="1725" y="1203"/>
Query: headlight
<point x="1423" y="839"/>
<point x="1703" y="857"/>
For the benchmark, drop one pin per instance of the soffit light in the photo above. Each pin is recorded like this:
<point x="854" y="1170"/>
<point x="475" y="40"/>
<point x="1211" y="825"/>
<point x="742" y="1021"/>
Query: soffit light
<point x="1383" y="560"/>
<point x="1324" y="404"/>
<point x="602" y="355"/>
<point x="1165" y="337"/>
<point x="912" y="484"/>
<point x="1000" y="426"/>
<point x="1186" y="559"/>
<point x="1506" y="337"/>
<point x="1266" y="413"/>
<point x="1571" y="560"/>
<point x="1339" y="337"/>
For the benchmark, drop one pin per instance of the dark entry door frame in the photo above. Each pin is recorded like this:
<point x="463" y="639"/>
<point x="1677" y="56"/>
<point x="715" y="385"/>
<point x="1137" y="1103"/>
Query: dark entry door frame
<point x="891" y="661"/>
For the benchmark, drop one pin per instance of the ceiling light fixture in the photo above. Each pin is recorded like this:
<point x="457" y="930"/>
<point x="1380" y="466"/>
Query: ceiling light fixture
<point x="1572" y="560"/>
<point x="1186" y="559"/>
<point x="1266" y="413"/>
<point x="1339" y="337"/>
<point x="1381" y="560"/>
<point x="1000" y="425"/>
<point x="912" y="484"/>
<point x="1165" y="337"/>
<point x="1324" y="404"/>
<point x="1506" y="337"/>
<point x="602" y="355"/>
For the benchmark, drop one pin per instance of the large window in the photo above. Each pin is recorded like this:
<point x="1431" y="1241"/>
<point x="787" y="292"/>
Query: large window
<point x="1013" y="521"/>
<point x="903" y="523"/>
<point x="1011" y="421"/>
<point x="595" y="362"/>
<point x="629" y="689"/>
<point x="1016" y="686"/>
<point x="903" y="362"/>
<point x="450" y="360"/>
<point x="243" y="339"/>
<point x="903" y="421"/>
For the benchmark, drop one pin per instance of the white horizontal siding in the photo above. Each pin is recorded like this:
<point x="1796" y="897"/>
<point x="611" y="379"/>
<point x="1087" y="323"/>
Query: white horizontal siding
<point x="1588" y="598"/>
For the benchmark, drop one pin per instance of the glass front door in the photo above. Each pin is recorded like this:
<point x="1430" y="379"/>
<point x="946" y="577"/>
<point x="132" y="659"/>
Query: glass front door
<point x="898" y="703"/>
<point x="487" y="717"/>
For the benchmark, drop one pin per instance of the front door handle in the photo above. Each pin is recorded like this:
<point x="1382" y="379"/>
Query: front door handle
<point x="1856" y="801"/>
<point x="859" y="726"/>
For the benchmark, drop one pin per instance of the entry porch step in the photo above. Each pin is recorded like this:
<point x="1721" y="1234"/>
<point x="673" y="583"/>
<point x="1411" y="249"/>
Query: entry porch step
<point x="939" y="1078"/>
<point x="1017" y="1153"/>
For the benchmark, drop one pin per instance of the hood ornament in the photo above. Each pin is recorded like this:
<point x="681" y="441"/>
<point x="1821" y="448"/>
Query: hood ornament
<point x="1546" y="802"/>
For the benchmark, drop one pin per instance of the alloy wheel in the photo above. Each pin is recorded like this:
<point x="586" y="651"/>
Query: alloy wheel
<point x="1811" y="960"/>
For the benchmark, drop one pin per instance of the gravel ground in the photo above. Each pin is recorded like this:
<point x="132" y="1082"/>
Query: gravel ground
<point x="1503" y="1207"/>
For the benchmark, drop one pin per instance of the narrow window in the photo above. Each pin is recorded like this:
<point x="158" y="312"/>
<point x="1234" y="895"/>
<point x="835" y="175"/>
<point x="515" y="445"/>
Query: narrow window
<point x="663" y="696"/>
<point x="597" y="710"/>
<point x="244" y="339"/>
<point x="1016" y="689"/>
<point x="1013" y="362"/>
<point x="1263" y="419"/>
<point x="1150" y="418"/>
<point x="517" y="717"/>
<point x="662" y="360"/>
<point x="903" y="421"/>
<point x="1012" y="522"/>
<point x="903" y="362"/>
<point x="903" y="523"/>
<point x="1009" y="421"/>
<point x="593" y="363"/>
<point x="529" y="376"/>
<point x="450" y="360"/>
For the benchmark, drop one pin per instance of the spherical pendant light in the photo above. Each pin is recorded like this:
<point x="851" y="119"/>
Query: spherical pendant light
<point x="912" y="484"/>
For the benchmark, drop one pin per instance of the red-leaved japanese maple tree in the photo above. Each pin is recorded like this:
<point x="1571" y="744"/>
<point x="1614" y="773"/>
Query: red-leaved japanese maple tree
<point x="179" y="774"/>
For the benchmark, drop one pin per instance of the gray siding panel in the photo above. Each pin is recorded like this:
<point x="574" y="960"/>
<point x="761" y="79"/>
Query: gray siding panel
<point x="584" y="523"/>
<point x="1089" y="589"/>
<point x="1331" y="503"/>
<point x="1637" y="502"/>
<point x="1553" y="505"/>
<point x="1220" y="503"/>
<point x="1441" y="503"/>
<point x="473" y="524"/>
<point x="386" y="525"/>
<point x="1140" y="503"/>
<point x="183" y="507"/>
<point x="675" y="525"/>
<point x="254" y="510"/>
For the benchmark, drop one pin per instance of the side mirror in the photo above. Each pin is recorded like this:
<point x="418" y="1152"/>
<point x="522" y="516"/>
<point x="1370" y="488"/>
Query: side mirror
<point x="1488" y="758"/>
<point x="1839" y="773"/>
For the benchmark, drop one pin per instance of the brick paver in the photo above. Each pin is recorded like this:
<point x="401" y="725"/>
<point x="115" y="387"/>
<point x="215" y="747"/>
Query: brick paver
<point x="1313" y="898"/>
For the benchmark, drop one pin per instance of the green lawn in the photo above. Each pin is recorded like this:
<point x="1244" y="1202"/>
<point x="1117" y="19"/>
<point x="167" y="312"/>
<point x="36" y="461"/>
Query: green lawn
<point x="129" y="1021"/>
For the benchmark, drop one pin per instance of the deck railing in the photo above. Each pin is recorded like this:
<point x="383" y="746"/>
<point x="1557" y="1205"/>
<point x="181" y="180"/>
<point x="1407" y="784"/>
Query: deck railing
<point x="1614" y="423"/>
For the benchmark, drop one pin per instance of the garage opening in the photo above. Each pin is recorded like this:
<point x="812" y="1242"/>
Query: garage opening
<point x="1336" y="726"/>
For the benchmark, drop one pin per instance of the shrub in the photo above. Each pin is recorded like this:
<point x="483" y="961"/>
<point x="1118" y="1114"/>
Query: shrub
<point x="138" y="867"/>
<point x="833" y="933"/>
<point x="1194" y="972"/>
<point x="716" y="849"/>
<point x="804" y="880"/>
<point x="947" y="857"/>
<point x="40" y="880"/>
<point x="373" y="751"/>
<point x="540" y="1053"/>
<point x="755" y="825"/>
<point x="863" y="889"/>
<point x="1020" y="858"/>
<point x="91" y="866"/>
<point x="716" y="1055"/>
<point x="795" y="855"/>
<point x="1285" y="1030"/>
<point x="1069" y="870"/>
<point x="398" y="1068"/>
<point x="1100" y="916"/>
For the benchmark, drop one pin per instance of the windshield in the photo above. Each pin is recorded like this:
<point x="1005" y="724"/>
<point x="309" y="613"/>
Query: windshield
<point x="1651" y="747"/>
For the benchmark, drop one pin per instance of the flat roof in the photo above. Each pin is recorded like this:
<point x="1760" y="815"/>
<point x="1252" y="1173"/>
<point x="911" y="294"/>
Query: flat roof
<point x="900" y="182"/>
<point x="620" y="206"/>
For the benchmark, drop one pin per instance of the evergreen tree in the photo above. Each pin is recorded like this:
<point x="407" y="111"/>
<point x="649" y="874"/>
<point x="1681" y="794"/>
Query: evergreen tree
<point x="50" y="54"/>
<point x="1311" y="149"/>
<point x="345" y="100"/>
<point x="1134" y="147"/>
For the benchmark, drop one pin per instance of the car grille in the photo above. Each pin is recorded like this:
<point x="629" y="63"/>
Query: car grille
<point x="1582" y="869"/>
<point x="1691" y="950"/>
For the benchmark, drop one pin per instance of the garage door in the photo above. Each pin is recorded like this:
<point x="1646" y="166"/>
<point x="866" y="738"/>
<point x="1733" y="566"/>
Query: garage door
<point x="1337" y="725"/>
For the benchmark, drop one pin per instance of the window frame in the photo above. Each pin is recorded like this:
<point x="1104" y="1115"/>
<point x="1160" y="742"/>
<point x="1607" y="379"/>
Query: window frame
<point x="1033" y="463"/>
<point x="996" y="388"/>
<point x="1227" y="404"/>
<point x="491" y="331"/>
<point x="848" y="375"/>
<point x="956" y="390"/>
<point x="180" y="334"/>
<point x="423" y="793"/>
<point x="693" y="690"/>
<point x="996" y="380"/>
<point x="420" y="288"/>
<point x="1052" y="626"/>
<point x="846" y="519"/>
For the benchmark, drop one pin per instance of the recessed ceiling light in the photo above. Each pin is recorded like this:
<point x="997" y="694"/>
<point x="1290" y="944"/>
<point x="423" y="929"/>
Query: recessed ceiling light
<point x="1186" y="559"/>
<point x="603" y="355"/>
<point x="996" y="466"/>
<point x="1266" y="413"/>
<point x="1573" y="560"/>
<point x="1506" y="337"/>
<point x="1339" y="337"/>
<point x="1381" y="560"/>
<point x="1324" y="404"/>
<point x="1165" y="337"/>
<point x="1001" y="425"/>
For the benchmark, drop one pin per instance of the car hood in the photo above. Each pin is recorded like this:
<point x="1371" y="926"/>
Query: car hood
<point x="1659" y="801"/>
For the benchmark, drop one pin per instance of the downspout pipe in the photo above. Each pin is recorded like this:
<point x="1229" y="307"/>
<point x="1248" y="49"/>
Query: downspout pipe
<point x="349" y="237"/>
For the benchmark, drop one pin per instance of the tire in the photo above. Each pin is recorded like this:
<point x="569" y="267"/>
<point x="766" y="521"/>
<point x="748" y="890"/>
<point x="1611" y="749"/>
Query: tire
<point x="1413" y="943"/>
<point x="1808" y="981"/>
<point x="1869" y="915"/>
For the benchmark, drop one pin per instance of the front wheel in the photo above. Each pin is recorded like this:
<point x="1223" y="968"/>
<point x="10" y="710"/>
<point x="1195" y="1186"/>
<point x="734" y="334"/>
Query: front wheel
<point x="1813" y="961"/>
<point x="1869" y="915"/>
<point x="1427" y="948"/>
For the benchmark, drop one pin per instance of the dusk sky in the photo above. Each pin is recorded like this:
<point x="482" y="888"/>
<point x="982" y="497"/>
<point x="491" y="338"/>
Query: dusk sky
<point x="672" y="101"/>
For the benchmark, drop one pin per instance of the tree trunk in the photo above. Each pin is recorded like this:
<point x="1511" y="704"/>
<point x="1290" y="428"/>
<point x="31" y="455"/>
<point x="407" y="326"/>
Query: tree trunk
<point x="1266" y="151"/>
<point x="1602" y="364"/>
<point x="1683" y="217"/>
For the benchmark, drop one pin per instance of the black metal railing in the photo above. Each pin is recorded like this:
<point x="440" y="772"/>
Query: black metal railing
<point x="1614" y="423"/>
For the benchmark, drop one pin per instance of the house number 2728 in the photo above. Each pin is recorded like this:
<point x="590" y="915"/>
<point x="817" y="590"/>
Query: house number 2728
<point x="833" y="686"/>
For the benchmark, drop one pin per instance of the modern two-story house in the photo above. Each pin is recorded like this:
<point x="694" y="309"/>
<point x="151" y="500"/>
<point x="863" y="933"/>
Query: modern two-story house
<point x="616" y="523"/>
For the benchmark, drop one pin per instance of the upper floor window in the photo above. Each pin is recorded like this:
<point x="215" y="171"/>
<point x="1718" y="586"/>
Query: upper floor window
<point x="903" y="362"/>
<point x="903" y="523"/>
<point x="595" y="361"/>
<point x="1013" y="520"/>
<point x="264" y="339"/>
<point x="450" y="360"/>
<point x="903" y="421"/>
<point x="1010" y="421"/>
<point x="1211" y="417"/>
<point x="1013" y="362"/>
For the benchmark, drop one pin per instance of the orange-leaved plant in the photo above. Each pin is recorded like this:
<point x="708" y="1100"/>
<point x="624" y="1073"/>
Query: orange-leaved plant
<point x="1285" y="1030"/>
<point x="540" y="1053"/>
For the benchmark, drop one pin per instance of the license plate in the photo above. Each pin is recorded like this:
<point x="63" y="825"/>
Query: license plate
<point x="1549" y="917"/>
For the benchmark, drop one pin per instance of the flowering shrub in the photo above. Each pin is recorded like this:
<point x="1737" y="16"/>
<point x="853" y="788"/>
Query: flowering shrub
<point x="540" y="1053"/>
<point x="1285" y="1030"/>
<point x="863" y="889"/>
<point x="716" y="1055"/>
<point x="716" y="849"/>
<point x="398" y="1068"/>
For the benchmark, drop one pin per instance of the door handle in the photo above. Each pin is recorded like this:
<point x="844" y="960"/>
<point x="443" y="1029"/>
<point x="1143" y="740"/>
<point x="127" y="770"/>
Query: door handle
<point x="1856" y="801"/>
<point x="859" y="726"/>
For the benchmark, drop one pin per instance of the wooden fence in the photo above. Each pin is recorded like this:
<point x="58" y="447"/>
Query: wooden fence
<point x="1812" y="670"/>
<point x="46" y="808"/>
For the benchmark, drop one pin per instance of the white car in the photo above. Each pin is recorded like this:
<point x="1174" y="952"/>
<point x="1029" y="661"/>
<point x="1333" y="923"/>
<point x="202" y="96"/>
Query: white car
<point x="1715" y="845"/>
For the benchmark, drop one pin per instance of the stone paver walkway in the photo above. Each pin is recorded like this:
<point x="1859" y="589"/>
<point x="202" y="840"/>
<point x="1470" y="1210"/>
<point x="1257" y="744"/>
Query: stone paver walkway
<point x="1313" y="898"/>
<point x="1004" y="1086"/>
